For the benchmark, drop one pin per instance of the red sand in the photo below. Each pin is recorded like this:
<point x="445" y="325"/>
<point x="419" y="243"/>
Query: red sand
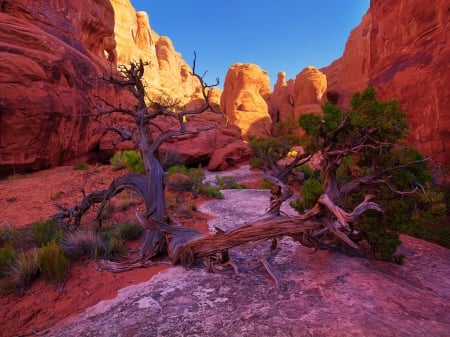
<point x="26" y="199"/>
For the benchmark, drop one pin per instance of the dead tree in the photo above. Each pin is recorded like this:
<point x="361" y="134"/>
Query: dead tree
<point x="336" y="136"/>
<point x="150" y="184"/>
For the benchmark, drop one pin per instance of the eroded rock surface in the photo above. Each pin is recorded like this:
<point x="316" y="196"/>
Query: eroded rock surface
<point x="245" y="99"/>
<point x="323" y="294"/>
<point x="402" y="49"/>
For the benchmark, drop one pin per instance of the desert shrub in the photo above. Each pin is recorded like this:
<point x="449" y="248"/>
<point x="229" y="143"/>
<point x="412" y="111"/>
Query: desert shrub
<point x="310" y="193"/>
<point x="81" y="166"/>
<point x="210" y="191"/>
<point x="46" y="231"/>
<point x="131" y="159"/>
<point x="88" y="243"/>
<point x="53" y="264"/>
<point x="111" y="244"/>
<point x="129" y="231"/>
<point x="8" y="234"/>
<point x="24" y="270"/>
<point x="228" y="182"/>
<point x="81" y="243"/>
<point x="7" y="256"/>
<point x="255" y="162"/>
<point x="265" y="185"/>
<point x="195" y="175"/>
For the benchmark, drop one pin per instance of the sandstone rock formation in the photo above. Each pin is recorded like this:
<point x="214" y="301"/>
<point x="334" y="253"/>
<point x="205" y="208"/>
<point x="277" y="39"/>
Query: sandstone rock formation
<point x="282" y="100"/>
<point x="49" y="53"/>
<point x="402" y="49"/>
<point x="168" y="74"/>
<point x="245" y="99"/>
<point x="310" y="87"/>
<point x="304" y="94"/>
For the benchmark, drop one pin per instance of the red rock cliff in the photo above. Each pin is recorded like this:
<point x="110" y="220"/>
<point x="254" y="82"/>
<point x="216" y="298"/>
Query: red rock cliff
<point x="402" y="48"/>
<point x="49" y="51"/>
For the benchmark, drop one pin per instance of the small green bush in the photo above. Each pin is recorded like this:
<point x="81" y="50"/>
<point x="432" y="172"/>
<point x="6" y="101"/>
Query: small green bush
<point x="80" y="166"/>
<point x="53" y="264"/>
<point x="128" y="159"/>
<point x="7" y="256"/>
<point x="228" y="182"/>
<point x="265" y="185"/>
<point x="196" y="176"/>
<point x="311" y="191"/>
<point x="129" y="231"/>
<point x="46" y="231"/>
<point x="24" y="270"/>
<point x="210" y="191"/>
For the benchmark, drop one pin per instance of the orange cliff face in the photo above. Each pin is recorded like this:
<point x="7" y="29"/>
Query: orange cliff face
<point x="49" y="53"/>
<point x="403" y="50"/>
<point x="245" y="99"/>
<point x="167" y="74"/>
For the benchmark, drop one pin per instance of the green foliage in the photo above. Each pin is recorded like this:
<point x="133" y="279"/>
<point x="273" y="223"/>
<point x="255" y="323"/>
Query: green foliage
<point x="195" y="175"/>
<point x="46" y="231"/>
<point x="285" y="127"/>
<point x="24" y="270"/>
<point x="7" y="256"/>
<point x="210" y="191"/>
<point x="227" y="183"/>
<point x="383" y="241"/>
<point x="81" y="166"/>
<point x="265" y="185"/>
<point x="310" y="193"/>
<point x="128" y="159"/>
<point x="367" y="143"/>
<point x="129" y="231"/>
<point x="111" y="244"/>
<point x="272" y="149"/>
<point x="53" y="264"/>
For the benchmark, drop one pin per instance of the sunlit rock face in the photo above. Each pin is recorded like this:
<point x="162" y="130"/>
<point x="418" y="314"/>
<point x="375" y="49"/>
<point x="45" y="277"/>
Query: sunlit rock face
<point x="304" y="94"/>
<point x="50" y="51"/>
<point x="167" y="74"/>
<point x="245" y="99"/>
<point x="402" y="49"/>
<point x="52" y="54"/>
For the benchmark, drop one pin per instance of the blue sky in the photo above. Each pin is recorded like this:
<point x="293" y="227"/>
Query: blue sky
<point x="282" y="35"/>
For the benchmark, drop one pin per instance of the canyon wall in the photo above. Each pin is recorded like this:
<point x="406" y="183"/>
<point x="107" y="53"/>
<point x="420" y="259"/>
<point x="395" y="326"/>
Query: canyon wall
<point x="51" y="52"/>
<point x="402" y="48"/>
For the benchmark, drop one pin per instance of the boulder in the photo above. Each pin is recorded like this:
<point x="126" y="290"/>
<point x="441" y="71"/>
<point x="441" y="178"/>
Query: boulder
<point x="245" y="99"/>
<point x="228" y="156"/>
<point x="282" y="100"/>
<point x="309" y="88"/>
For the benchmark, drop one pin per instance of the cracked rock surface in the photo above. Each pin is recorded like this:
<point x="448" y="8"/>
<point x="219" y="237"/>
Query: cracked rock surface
<point x="322" y="294"/>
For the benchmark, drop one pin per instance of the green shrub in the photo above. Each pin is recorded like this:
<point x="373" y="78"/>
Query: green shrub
<point x="129" y="231"/>
<point x="24" y="270"/>
<point x="228" y="182"/>
<point x="265" y="185"/>
<point x="7" y="256"/>
<point x="210" y="191"/>
<point x="53" y="264"/>
<point x="310" y="193"/>
<point x="195" y="175"/>
<point x="128" y="159"/>
<point x="80" y="166"/>
<point x="46" y="231"/>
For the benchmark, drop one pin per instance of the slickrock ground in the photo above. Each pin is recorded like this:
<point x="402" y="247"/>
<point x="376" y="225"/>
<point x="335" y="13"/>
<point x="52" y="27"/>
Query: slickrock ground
<point x="322" y="294"/>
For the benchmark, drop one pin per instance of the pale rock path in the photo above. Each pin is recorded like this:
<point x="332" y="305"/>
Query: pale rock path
<point x="323" y="294"/>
